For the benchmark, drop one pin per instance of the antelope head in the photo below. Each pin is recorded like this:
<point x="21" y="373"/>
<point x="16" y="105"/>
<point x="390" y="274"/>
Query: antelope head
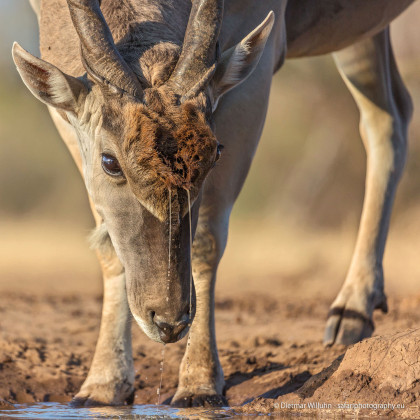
<point x="147" y="148"/>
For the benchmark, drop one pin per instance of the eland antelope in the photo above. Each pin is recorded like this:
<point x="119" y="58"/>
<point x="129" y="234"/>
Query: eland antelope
<point x="143" y="92"/>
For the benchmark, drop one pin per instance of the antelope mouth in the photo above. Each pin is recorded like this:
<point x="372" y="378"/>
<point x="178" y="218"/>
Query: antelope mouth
<point x="162" y="332"/>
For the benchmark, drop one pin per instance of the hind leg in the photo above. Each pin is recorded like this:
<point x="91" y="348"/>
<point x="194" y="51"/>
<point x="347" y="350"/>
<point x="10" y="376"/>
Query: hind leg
<point x="370" y="72"/>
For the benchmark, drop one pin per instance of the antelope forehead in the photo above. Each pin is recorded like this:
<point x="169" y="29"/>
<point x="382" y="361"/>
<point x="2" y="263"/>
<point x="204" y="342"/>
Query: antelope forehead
<point x="182" y="142"/>
<point x="165" y="159"/>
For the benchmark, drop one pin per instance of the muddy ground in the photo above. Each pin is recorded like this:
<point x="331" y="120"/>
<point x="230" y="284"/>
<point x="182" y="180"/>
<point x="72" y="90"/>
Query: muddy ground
<point x="274" y="289"/>
<point x="268" y="349"/>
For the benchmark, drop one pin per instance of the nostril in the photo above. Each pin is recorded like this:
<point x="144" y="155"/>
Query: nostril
<point x="152" y="314"/>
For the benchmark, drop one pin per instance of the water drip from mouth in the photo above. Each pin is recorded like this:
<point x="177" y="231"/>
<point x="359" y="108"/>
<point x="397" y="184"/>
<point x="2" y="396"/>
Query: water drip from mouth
<point x="167" y="290"/>
<point x="169" y="243"/>
<point x="191" y="284"/>
<point x="191" y="276"/>
<point x="161" y="375"/>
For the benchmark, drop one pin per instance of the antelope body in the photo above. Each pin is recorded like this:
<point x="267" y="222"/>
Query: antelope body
<point x="144" y="92"/>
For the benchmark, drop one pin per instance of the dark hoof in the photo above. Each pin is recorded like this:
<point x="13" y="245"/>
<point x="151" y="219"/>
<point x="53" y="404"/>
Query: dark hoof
<point x="130" y="398"/>
<point x="200" y="400"/>
<point x="346" y="326"/>
<point x="78" y="402"/>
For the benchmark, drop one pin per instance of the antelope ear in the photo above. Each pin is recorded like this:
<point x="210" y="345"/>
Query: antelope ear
<point x="238" y="62"/>
<point x="47" y="82"/>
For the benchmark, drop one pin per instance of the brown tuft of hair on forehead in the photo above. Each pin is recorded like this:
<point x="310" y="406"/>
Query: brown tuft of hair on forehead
<point x="168" y="142"/>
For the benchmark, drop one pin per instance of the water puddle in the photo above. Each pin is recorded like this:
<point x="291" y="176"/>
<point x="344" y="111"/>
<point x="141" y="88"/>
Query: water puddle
<point x="52" y="410"/>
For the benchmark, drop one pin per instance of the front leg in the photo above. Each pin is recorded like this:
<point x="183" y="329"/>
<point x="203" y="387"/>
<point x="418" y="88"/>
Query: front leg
<point x="111" y="376"/>
<point x="201" y="381"/>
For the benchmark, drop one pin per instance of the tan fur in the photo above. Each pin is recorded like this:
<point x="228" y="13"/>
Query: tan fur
<point x="164" y="145"/>
<point x="149" y="39"/>
<point x="385" y="110"/>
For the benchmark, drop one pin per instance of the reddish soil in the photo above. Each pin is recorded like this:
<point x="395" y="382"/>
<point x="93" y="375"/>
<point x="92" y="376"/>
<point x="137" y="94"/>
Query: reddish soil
<point x="270" y="350"/>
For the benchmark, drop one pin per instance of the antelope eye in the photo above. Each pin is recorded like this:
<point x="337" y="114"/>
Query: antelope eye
<point x="110" y="165"/>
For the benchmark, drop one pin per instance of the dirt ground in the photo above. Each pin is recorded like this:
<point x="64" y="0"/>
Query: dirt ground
<point x="269" y="334"/>
<point x="268" y="348"/>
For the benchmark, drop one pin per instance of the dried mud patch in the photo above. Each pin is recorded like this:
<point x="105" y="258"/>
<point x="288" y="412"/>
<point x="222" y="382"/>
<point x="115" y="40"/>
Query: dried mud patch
<point x="378" y="376"/>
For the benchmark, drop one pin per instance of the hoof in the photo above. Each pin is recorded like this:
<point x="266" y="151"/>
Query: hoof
<point x="98" y="400"/>
<point x="78" y="402"/>
<point x="345" y="326"/>
<point x="199" y="400"/>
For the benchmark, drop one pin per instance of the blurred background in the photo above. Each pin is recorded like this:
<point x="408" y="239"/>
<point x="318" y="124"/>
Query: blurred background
<point x="295" y="223"/>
